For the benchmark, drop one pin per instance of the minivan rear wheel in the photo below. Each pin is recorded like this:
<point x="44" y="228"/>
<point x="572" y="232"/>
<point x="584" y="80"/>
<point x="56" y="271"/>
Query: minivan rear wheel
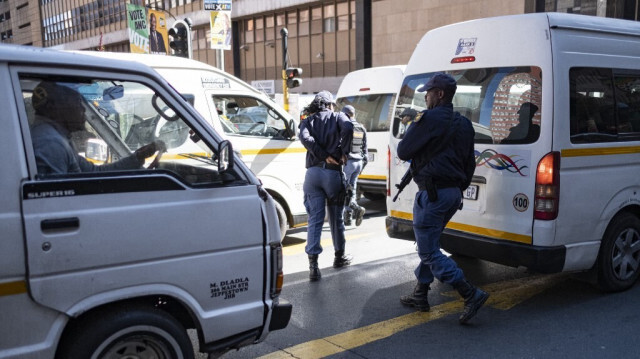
<point x="619" y="257"/>
<point x="139" y="332"/>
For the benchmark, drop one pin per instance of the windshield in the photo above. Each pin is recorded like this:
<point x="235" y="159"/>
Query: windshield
<point x="372" y="111"/>
<point x="502" y="103"/>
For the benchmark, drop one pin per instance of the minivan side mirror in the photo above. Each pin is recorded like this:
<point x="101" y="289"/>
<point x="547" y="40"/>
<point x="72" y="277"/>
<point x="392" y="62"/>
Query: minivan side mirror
<point x="292" y="129"/>
<point x="225" y="156"/>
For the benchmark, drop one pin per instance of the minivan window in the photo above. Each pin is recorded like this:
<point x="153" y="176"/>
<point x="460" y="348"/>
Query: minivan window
<point x="504" y="104"/>
<point x="372" y="111"/>
<point x="100" y="123"/>
<point x="604" y="105"/>
<point x="248" y="116"/>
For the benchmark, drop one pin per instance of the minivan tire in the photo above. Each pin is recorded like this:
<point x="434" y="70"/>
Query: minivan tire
<point x="619" y="258"/>
<point x="145" y="332"/>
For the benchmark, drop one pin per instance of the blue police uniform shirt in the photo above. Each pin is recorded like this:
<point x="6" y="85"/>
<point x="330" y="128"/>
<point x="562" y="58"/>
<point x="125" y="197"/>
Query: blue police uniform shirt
<point x="452" y="166"/>
<point x="323" y="134"/>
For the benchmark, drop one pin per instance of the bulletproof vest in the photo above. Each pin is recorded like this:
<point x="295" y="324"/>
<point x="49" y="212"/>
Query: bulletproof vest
<point x="358" y="138"/>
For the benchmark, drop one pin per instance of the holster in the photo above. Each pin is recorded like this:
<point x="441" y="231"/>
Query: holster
<point x="432" y="191"/>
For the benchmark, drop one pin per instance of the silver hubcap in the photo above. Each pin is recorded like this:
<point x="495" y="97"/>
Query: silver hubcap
<point x="138" y="347"/>
<point x="626" y="254"/>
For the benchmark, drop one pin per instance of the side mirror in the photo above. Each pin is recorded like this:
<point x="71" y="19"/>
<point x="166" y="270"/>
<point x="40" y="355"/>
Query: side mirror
<point x="292" y="129"/>
<point x="225" y="156"/>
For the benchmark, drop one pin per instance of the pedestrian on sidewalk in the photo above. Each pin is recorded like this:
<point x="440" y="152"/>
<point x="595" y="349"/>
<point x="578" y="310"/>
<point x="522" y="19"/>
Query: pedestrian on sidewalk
<point x="356" y="161"/>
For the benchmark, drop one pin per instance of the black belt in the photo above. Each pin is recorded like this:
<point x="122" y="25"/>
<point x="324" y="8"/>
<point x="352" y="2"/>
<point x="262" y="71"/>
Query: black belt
<point x="329" y="166"/>
<point x="422" y="186"/>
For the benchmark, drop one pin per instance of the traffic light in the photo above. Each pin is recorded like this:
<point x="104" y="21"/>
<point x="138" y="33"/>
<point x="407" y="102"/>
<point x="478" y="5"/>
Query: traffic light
<point x="181" y="35"/>
<point x="293" y="77"/>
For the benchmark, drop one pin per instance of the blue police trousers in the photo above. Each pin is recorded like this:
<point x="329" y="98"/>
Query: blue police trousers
<point x="429" y="219"/>
<point x="320" y="186"/>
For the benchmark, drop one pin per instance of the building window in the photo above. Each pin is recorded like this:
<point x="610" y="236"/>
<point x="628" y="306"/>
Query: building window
<point x="303" y="28"/>
<point x="343" y="16"/>
<point x="259" y="29"/>
<point x="269" y="31"/>
<point x="329" y="18"/>
<point x="292" y="23"/>
<point x="316" y="20"/>
<point x="248" y="31"/>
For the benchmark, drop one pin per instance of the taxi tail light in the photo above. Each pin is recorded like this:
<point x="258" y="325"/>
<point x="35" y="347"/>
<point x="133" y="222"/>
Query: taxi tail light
<point x="388" y="171"/>
<point x="547" y="192"/>
<point x="277" y="275"/>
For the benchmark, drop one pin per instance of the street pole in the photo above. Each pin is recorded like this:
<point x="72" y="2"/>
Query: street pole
<point x="285" y="90"/>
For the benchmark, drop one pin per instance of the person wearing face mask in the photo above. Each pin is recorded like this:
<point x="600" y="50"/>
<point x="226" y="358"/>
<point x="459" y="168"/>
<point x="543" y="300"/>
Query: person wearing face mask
<point x="439" y="144"/>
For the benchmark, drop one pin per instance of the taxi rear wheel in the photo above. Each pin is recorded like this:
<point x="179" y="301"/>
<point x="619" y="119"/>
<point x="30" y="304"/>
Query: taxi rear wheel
<point x="619" y="257"/>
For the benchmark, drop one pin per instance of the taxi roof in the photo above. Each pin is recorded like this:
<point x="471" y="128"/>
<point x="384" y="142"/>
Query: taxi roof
<point x="31" y="55"/>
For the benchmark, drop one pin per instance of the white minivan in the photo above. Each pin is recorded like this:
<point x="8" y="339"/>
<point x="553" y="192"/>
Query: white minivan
<point x="555" y="101"/>
<point x="104" y="262"/>
<point x="259" y="129"/>
<point x="372" y="92"/>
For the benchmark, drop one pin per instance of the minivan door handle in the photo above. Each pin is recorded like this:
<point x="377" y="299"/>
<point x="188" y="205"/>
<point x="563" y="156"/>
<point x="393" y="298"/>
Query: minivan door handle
<point x="60" y="223"/>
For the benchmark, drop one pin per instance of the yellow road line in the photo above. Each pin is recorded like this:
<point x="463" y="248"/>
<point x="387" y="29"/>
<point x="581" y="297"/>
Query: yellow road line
<point x="504" y="296"/>
<point x="324" y="242"/>
<point x="12" y="288"/>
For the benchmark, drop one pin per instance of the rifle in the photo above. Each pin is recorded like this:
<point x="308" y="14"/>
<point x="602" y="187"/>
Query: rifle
<point x="403" y="183"/>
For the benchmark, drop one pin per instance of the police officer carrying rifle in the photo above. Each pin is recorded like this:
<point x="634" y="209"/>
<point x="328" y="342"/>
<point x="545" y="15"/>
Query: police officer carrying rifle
<point x="326" y="136"/>
<point x="439" y="144"/>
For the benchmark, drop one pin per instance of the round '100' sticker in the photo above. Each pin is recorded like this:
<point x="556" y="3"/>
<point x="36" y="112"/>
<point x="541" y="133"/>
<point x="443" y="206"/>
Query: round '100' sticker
<point x="521" y="202"/>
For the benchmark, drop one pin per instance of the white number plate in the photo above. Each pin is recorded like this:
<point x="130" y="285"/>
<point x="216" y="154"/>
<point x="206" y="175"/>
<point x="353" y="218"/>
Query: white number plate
<point x="471" y="192"/>
<point x="371" y="156"/>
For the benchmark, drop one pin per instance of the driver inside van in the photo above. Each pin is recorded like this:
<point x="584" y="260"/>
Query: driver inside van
<point x="59" y="113"/>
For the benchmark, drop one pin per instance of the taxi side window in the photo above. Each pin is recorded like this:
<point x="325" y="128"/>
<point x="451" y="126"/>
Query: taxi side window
<point x="84" y="125"/>
<point x="604" y="105"/>
<point x="248" y="116"/>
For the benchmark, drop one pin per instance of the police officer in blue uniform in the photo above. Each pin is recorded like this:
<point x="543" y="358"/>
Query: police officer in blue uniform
<point x="439" y="144"/>
<point x="326" y="135"/>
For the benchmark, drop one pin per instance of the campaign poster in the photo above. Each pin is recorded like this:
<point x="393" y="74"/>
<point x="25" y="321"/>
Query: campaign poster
<point x="138" y="29"/>
<point x="158" y="33"/>
<point x="221" y="30"/>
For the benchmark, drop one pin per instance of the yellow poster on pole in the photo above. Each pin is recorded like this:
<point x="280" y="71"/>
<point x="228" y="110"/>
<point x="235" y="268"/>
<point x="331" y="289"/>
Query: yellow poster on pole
<point x="158" y="38"/>
<point x="221" y="30"/>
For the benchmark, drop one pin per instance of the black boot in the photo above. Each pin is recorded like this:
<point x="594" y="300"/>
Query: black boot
<point x="359" y="215"/>
<point x="314" y="271"/>
<point x="341" y="259"/>
<point x="347" y="218"/>
<point x="418" y="299"/>
<point x="473" y="297"/>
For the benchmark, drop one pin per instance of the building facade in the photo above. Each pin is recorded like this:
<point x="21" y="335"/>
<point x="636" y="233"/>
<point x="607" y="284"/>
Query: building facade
<point x="327" y="39"/>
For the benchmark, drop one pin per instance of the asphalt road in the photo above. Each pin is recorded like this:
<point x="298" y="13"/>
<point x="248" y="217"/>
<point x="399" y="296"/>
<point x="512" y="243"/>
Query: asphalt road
<point x="355" y="312"/>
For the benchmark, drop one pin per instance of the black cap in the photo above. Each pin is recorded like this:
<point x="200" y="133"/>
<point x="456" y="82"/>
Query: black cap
<point x="440" y="81"/>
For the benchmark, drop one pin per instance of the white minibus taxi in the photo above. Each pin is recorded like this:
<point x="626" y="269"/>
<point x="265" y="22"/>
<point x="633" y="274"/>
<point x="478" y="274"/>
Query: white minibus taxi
<point x="555" y="100"/>
<point x="121" y="258"/>
<point x="263" y="132"/>
<point x="372" y="92"/>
